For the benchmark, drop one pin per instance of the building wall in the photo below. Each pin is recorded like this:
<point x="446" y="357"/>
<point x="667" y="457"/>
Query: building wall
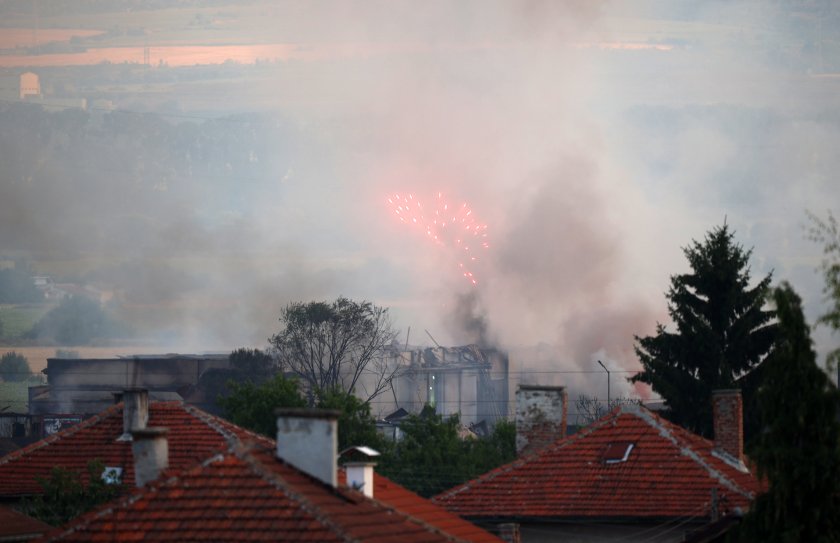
<point x="86" y="385"/>
<point x="30" y="85"/>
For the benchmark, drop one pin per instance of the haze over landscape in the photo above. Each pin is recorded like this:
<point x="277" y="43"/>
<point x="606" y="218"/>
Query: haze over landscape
<point x="237" y="156"/>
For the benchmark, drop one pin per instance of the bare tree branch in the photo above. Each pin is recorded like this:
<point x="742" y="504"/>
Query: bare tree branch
<point x="337" y="345"/>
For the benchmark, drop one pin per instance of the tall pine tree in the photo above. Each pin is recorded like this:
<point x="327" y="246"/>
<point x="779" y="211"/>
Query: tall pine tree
<point x="798" y="449"/>
<point x="722" y="332"/>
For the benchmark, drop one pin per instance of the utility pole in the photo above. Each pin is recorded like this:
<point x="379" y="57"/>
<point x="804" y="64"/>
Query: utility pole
<point x="608" y="384"/>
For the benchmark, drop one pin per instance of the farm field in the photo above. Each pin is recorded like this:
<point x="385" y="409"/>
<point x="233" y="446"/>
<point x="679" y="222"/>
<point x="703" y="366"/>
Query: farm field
<point x="15" y="320"/>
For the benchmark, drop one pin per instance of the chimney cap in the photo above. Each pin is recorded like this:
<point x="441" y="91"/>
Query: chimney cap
<point x="726" y="392"/>
<point x="541" y="387"/>
<point x="361" y="449"/>
<point x="149" y="432"/>
<point x="307" y="413"/>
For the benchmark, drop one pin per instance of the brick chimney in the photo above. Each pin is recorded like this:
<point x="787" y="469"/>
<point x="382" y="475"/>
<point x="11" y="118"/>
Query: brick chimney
<point x="308" y="440"/>
<point x="150" y="448"/>
<point x="135" y="411"/>
<point x="728" y="419"/>
<point x="540" y="416"/>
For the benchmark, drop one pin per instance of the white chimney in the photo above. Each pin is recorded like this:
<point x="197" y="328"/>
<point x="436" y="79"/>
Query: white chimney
<point x="151" y="454"/>
<point x="360" y="477"/>
<point x="135" y="411"/>
<point x="360" y="470"/>
<point x="308" y="440"/>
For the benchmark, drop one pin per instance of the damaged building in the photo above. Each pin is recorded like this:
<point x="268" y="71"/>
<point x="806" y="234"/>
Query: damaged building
<point x="468" y="380"/>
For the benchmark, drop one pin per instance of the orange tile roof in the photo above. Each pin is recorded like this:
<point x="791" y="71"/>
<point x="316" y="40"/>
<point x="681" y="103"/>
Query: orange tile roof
<point x="16" y="526"/>
<point x="234" y="485"/>
<point x="408" y="502"/>
<point x="669" y="473"/>
<point x="194" y="436"/>
<point x="247" y="494"/>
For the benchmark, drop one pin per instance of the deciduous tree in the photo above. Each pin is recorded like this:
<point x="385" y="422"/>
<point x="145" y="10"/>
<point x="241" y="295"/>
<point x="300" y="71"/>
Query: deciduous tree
<point x="251" y="405"/>
<point x="66" y="494"/>
<point x="14" y="367"/>
<point x="827" y="232"/>
<point x="332" y="345"/>
<point x="431" y="456"/>
<point x="722" y="332"/>
<point x="798" y="449"/>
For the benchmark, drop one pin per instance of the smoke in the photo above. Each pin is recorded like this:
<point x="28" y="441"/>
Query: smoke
<point x="468" y="320"/>
<point x="594" y="139"/>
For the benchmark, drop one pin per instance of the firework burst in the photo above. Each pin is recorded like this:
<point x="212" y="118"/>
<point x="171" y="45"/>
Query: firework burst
<point x="446" y="225"/>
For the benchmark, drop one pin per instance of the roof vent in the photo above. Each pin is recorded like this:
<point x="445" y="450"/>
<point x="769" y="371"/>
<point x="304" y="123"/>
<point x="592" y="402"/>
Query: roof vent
<point x="617" y="452"/>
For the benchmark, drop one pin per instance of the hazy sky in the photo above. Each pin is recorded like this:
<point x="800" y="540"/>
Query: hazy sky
<point x="594" y="140"/>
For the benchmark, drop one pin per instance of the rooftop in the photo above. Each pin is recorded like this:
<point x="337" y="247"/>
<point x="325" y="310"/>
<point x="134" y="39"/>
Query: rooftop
<point x="630" y="464"/>
<point x="247" y="494"/>
<point x="195" y="435"/>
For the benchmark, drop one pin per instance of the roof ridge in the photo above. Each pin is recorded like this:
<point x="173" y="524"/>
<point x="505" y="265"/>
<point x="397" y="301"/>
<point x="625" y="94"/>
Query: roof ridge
<point x="355" y="497"/>
<point x="280" y="483"/>
<point x="213" y="422"/>
<point x="43" y="442"/>
<point x="685" y="448"/>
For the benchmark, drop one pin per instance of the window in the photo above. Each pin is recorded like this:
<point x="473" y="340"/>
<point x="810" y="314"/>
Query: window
<point x="112" y="475"/>
<point x="617" y="452"/>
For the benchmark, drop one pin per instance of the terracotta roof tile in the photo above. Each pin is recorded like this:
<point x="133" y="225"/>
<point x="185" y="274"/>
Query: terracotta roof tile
<point x="669" y="472"/>
<point x="16" y="526"/>
<point x="408" y="502"/>
<point x="225" y="484"/>
<point x="248" y="495"/>
<point x="194" y="436"/>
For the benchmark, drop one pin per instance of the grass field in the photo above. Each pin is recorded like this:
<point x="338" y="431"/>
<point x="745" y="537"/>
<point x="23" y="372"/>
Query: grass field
<point x="14" y="397"/>
<point x="18" y="319"/>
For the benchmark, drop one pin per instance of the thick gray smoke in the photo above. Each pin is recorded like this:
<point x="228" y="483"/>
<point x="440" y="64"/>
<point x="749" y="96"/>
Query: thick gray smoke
<point x="594" y="140"/>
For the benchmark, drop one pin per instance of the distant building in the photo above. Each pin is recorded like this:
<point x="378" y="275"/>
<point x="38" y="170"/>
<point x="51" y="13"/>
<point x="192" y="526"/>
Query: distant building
<point x="30" y="85"/>
<point x="20" y="87"/>
<point x="87" y="385"/>
<point x="468" y="380"/>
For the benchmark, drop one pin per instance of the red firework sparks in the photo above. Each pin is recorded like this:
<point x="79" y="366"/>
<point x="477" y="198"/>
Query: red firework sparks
<point x="446" y="225"/>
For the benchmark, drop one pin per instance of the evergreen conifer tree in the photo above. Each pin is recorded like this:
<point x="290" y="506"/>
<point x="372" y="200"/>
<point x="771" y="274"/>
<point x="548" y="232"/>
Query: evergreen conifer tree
<point x="722" y="332"/>
<point x="797" y="450"/>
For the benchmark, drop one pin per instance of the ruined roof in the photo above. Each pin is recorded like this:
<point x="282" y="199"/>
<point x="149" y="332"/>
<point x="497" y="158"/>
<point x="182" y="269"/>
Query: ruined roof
<point x="595" y="474"/>
<point x="247" y="494"/>
<point x="194" y="436"/>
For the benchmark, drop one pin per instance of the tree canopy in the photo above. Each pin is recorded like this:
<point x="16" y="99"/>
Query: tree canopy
<point x="722" y="333"/>
<point x="253" y="363"/>
<point x="66" y="496"/>
<point x="76" y="321"/>
<point x="251" y="405"/>
<point x="431" y="457"/>
<point x="798" y="448"/>
<point x="14" y="367"/>
<point x="827" y="232"/>
<point x="331" y="345"/>
<point x="17" y="286"/>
